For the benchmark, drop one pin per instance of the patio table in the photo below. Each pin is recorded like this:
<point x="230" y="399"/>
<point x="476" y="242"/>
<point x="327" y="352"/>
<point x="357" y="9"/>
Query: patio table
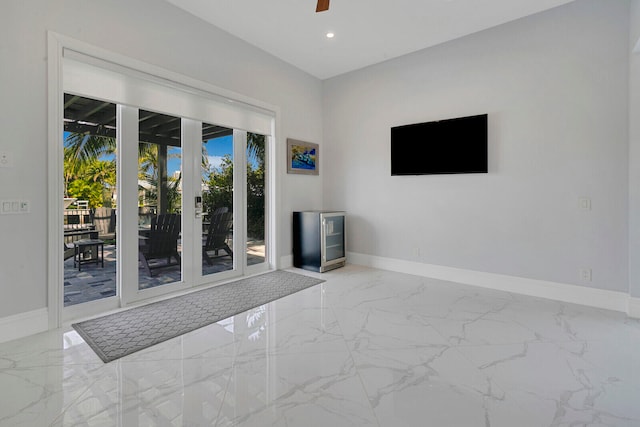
<point x="85" y="245"/>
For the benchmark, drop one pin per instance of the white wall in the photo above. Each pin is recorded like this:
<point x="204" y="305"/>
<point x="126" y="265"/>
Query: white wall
<point x="148" y="30"/>
<point x="634" y="151"/>
<point x="555" y="86"/>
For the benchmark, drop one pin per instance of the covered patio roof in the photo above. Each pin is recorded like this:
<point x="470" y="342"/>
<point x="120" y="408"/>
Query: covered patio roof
<point x="94" y="117"/>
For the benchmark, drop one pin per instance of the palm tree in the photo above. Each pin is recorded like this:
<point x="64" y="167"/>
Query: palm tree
<point x="147" y="160"/>
<point x="84" y="167"/>
<point x="82" y="151"/>
<point x="256" y="148"/>
<point x="82" y="147"/>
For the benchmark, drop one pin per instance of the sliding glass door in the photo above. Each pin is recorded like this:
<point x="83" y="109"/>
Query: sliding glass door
<point x="173" y="181"/>
<point x="184" y="201"/>
<point x="164" y="180"/>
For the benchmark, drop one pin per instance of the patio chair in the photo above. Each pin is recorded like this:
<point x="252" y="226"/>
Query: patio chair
<point x="217" y="233"/>
<point x="69" y="251"/>
<point x="161" y="243"/>
<point x="104" y="220"/>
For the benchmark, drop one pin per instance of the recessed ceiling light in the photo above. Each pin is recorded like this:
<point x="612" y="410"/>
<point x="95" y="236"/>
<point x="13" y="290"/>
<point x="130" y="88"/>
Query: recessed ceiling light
<point x="330" y="35"/>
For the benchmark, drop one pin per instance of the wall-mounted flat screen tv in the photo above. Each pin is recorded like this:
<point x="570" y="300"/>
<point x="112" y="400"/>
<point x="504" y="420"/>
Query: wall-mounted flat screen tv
<point x="441" y="147"/>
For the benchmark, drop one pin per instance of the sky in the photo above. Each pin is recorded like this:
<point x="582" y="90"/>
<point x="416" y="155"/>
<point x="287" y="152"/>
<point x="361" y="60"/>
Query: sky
<point x="216" y="150"/>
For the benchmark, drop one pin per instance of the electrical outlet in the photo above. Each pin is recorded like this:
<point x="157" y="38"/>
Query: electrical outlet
<point x="585" y="203"/>
<point x="585" y="274"/>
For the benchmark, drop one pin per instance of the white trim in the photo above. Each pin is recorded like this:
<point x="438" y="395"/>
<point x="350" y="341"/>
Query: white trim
<point x="191" y="176"/>
<point x="126" y="225"/>
<point x="610" y="300"/>
<point x="634" y="308"/>
<point x="239" y="201"/>
<point x="273" y="202"/>
<point x="95" y="55"/>
<point x="270" y="203"/>
<point x="64" y="50"/>
<point x="24" y="324"/>
<point x="54" y="181"/>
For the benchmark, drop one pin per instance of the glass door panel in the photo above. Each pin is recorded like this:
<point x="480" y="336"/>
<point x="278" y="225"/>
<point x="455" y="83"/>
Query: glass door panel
<point x="334" y="236"/>
<point x="256" y="164"/>
<point x="90" y="199"/>
<point x="159" y="200"/>
<point x="217" y="197"/>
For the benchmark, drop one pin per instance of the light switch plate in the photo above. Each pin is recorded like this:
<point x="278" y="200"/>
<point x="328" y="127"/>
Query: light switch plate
<point x="6" y="159"/>
<point x="14" y="207"/>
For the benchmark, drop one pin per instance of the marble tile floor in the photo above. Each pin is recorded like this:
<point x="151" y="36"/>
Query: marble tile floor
<point x="365" y="348"/>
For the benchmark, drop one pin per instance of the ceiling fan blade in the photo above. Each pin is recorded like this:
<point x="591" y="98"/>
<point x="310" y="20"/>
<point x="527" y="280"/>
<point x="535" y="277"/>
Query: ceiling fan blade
<point x="322" y="5"/>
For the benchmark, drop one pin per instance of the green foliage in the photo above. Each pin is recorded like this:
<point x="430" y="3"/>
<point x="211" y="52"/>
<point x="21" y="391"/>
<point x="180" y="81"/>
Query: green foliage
<point x="86" y="190"/>
<point x="148" y="160"/>
<point x="255" y="202"/>
<point x="220" y="194"/>
<point x="86" y="176"/>
<point x="174" y="198"/>
<point x="220" y="184"/>
<point x="256" y="148"/>
<point x="256" y="186"/>
<point x="81" y="148"/>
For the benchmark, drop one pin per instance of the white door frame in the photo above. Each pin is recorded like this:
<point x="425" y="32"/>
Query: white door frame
<point x="57" y="45"/>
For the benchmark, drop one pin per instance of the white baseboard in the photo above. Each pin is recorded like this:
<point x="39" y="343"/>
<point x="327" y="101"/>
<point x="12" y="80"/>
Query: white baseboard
<point x="634" y="308"/>
<point x="24" y="324"/>
<point x="610" y="300"/>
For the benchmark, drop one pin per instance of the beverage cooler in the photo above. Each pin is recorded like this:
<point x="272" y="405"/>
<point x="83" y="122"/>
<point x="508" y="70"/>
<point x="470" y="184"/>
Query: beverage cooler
<point x="319" y="240"/>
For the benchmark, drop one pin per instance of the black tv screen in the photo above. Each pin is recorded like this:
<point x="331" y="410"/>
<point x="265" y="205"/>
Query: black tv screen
<point x="441" y="147"/>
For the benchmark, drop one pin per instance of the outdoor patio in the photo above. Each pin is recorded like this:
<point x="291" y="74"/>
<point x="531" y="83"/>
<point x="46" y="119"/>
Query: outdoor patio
<point x="95" y="282"/>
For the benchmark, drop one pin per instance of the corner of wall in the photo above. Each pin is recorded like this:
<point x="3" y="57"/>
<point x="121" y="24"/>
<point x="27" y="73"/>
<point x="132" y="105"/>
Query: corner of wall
<point x="634" y="160"/>
<point x="634" y="308"/>
<point x="286" y="261"/>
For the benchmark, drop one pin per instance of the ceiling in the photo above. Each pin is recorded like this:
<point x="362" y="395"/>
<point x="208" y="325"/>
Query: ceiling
<point x="366" y="31"/>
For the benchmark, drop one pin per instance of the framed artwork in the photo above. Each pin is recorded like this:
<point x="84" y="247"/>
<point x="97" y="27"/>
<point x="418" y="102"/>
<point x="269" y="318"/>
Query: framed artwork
<point x="302" y="157"/>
